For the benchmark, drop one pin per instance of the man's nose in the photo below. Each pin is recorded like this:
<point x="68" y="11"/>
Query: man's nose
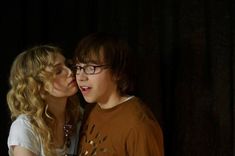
<point x="82" y="76"/>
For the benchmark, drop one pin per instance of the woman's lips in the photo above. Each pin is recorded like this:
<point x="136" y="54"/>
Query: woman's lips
<point x="73" y="82"/>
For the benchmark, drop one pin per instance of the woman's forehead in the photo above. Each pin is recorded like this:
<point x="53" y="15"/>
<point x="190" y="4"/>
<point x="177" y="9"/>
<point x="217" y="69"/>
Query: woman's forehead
<point x="59" y="58"/>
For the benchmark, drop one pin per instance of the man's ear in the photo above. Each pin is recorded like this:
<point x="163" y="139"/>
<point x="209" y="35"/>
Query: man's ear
<point x="116" y="77"/>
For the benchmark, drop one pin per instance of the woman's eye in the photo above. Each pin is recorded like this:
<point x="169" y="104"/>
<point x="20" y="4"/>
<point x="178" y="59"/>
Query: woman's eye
<point x="58" y="71"/>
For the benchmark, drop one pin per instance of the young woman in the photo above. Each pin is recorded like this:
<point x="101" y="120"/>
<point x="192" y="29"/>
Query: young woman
<point x="44" y="108"/>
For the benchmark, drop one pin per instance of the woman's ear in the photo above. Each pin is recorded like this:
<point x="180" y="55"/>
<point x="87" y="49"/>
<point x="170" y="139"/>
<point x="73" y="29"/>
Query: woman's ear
<point x="44" y="92"/>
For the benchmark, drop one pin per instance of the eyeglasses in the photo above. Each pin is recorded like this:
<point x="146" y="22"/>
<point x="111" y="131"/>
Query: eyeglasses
<point x="89" y="69"/>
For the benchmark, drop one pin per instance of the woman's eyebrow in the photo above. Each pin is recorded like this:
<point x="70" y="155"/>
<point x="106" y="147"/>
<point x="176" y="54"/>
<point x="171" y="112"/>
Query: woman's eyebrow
<point x="58" y="64"/>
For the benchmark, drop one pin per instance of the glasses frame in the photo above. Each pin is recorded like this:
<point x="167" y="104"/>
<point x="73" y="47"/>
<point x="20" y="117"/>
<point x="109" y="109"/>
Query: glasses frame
<point x="101" y="67"/>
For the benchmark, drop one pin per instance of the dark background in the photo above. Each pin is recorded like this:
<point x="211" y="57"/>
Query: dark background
<point x="185" y="52"/>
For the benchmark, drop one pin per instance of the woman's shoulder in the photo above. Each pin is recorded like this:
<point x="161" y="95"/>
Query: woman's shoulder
<point x="22" y="120"/>
<point x="22" y="134"/>
<point x="21" y="126"/>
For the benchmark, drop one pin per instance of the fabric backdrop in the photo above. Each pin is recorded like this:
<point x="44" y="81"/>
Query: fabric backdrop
<point x="185" y="53"/>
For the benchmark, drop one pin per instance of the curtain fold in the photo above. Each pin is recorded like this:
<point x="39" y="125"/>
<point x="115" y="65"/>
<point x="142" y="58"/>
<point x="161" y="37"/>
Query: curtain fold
<point x="184" y="51"/>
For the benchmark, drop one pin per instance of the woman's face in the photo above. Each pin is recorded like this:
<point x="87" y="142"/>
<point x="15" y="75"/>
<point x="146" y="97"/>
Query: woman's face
<point x="64" y="83"/>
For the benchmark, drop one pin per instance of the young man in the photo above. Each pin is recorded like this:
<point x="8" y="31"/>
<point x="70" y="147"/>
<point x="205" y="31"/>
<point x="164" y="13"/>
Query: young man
<point x="115" y="123"/>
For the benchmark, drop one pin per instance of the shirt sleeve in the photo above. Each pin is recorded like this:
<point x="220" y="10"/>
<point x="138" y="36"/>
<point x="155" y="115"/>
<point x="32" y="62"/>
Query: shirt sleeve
<point x="145" y="139"/>
<point x="21" y="134"/>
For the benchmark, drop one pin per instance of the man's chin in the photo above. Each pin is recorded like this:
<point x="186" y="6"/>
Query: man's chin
<point x="89" y="100"/>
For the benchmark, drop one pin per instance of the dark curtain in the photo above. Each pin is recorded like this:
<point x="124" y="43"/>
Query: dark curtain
<point x="185" y="59"/>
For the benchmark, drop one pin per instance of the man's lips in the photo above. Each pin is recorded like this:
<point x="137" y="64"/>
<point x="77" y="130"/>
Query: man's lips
<point x="84" y="88"/>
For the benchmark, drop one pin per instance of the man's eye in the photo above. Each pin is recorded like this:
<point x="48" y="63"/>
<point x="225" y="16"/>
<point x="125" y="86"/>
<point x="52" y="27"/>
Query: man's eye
<point x="90" y="67"/>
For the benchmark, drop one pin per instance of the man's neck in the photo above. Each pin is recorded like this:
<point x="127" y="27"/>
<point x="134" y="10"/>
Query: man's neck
<point x="113" y="101"/>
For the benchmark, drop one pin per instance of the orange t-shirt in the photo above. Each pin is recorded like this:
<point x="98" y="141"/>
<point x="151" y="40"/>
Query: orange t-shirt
<point x="128" y="129"/>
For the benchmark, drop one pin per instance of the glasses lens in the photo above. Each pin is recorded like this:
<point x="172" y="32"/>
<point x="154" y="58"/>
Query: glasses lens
<point x="89" y="69"/>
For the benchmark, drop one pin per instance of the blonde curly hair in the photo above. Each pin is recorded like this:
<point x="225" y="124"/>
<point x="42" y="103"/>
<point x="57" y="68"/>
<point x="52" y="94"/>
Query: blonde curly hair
<point x="28" y="82"/>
